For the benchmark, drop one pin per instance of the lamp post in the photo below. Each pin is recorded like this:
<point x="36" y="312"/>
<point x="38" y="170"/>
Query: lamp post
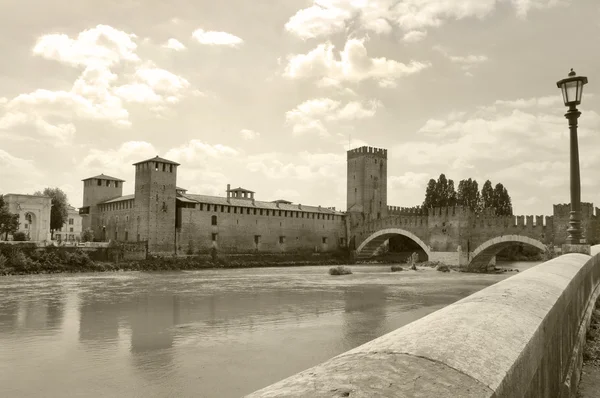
<point x="572" y="88"/>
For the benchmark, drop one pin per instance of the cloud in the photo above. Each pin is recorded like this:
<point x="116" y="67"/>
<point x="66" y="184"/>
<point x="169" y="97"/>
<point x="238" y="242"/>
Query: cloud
<point x="414" y="36"/>
<point x="322" y="167"/>
<point x="249" y="135"/>
<point x="310" y="116"/>
<point x="196" y="152"/>
<point x="318" y="20"/>
<point x="216" y="38"/>
<point x="354" y="65"/>
<point x="326" y="17"/>
<point x="101" y="46"/>
<point x="466" y="62"/>
<point x="174" y="44"/>
<point x="118" y="161"/>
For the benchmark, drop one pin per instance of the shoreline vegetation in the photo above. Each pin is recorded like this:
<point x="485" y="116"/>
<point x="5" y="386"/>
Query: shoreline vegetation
<point x="50" y="260"/>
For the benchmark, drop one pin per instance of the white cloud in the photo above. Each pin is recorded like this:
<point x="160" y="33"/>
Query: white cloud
<point x="174" y="44"/>
<point x="326" y="17"/>
<point x="414" y="36"/>
<point x="318" y="167"/>
<point x="309" y="116"/>
<point x="118" y="161"/>
<point x="318" y="20"/>
<point x="101" y="46"/>
<point x="216" y="38"/>
<point x="466" y="62"/>
<point x="249" y="134"/>
<point x="354" y="65"/>
<point x="196" y="152"/>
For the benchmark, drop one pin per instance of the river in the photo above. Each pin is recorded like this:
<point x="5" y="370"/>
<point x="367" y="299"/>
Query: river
<point x="211" y="333"/>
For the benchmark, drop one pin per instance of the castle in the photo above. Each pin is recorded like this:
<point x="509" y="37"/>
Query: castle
<point x="172" y="220"/>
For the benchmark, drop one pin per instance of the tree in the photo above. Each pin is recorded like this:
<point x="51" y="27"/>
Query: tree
<point x="58" y="212"/>
<point x="9" y="223"/>
<point x="439" y="193"/>
<point x="487" y="196"/>
<point x="468" y="194"/>
<point x="501" y="201"/>
<point x="430" y="195"/>
<point x="87" y="235"/>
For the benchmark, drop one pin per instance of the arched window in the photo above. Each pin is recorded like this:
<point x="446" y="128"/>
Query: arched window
<point x="214" y="220"/>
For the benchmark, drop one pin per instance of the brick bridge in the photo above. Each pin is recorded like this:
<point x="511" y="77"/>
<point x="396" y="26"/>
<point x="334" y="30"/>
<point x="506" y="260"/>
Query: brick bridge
<point x="454" y="235"/>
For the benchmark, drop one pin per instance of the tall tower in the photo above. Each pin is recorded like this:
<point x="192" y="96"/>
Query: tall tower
<point x="96" y="190"/>
<point x="155" y="192"/>
<point x="367" y="183"/>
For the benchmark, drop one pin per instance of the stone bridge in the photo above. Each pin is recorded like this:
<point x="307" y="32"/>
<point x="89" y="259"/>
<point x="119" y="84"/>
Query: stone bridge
<point x="521" y="337"/>
<point x="454" y="235"/>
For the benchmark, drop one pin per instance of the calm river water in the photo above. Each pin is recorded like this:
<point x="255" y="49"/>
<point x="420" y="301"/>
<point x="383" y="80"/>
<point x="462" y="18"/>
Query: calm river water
<point x="221" y="333"/>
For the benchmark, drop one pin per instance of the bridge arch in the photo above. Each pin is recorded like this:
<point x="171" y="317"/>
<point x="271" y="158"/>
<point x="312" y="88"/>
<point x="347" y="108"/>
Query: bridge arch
<point x="372" y="243"/>
<point x="483" y="254"/>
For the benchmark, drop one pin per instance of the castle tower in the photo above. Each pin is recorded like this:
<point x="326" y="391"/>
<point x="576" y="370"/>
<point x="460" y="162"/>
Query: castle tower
<point x="155" y="192"/>
<point x="96" y="190"/>
<point x="367" y="182"/>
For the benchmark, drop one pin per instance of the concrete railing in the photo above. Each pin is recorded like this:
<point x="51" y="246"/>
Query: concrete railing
<point x="522" y="337"/>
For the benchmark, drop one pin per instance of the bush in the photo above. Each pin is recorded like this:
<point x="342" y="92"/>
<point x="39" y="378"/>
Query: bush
<point x="340" y="270"/>
<point x="20" y="237"/>
<point x="396" y="268"/>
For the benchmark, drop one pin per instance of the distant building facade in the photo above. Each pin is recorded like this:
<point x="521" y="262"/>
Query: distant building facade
<point x="172" y="220"/>
<point x="72" y="228"/>
<point x="34" y="215"/>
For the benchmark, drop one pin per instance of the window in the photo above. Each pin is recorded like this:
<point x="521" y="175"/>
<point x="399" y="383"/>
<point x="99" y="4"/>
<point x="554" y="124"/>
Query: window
<point x="324" y="240"/>
<point x="281" y="239"/>
<point x="138" y="237"/>
<point x="213" y="220"/>
<point x="261" y="212"/>
<point x="116" y="184"/>
<point x="222" y="208"/>
<point x="235" y="210"/>
<point x="342" y="241"/>
<point x="155" y="166"/>
<point x="279" y="213"/>
<point x="228" y="209"/>
<point x="164" y="167"/>
<point x="254" y="211"/>
<point x="99" y="183"/>
<point x="248" y="210"/>
<point x="107" y="183"/>
<point x="355" y="190"/>
<point x="70" y="221"/>
<point x="214" y="237"/>
<point x="257" y="239"/>
<point x="70" y="229"/>
<point x="126" y="235"/>
<point x="170" y="168"/>
<point x="201" y="206"/>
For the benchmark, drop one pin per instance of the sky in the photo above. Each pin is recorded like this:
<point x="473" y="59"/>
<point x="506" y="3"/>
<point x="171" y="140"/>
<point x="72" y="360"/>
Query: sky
<point x="269" y="95"/>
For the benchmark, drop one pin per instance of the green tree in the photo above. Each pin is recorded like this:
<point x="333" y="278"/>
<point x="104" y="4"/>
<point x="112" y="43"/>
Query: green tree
<point x="58" y="212"/>
<point x="487" y="196"/>
<point x="9" y="223"/>
<point x="468" y="194"/>
<point x="431" y="197"/>
<point x="87" y="235"/>
<point x="502" y="201"/>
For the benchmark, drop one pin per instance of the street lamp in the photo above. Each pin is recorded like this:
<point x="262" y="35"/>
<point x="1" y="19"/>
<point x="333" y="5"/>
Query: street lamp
<point x="572" y="88"/>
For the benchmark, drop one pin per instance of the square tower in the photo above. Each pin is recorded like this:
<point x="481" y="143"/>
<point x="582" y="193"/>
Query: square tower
<point x="154" y="206"/>
<point x="96" y="190"/>
<point x="367" y="182"/>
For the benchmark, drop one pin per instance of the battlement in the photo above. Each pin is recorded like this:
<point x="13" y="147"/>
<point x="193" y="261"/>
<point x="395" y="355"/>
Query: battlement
<point x="367" y="151"/>
<point x="523" y="221"/>
<point x="408" y="211"/>
<point x="563" y="210"/>
<point x="448" y="211"/>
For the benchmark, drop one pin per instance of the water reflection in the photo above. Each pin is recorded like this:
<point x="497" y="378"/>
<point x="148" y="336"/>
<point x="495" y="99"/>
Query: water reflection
<point x="364" y="314"/>
<point x="186" y="334"/>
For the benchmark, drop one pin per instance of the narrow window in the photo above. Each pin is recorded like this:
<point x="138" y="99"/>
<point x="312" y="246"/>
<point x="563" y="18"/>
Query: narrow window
<point x="324" y="240"/>
<point x="155" y="166"/>
<point x="222" y="209"/>
<point x="228" y="209"/>
<point x="99" y="183"/>
<point x="213" y="220"/>
<point x="126" y="235"/>
<point x="281" y="239"/>
<point x="108" y="183"/>
<point x="261" y="212"/>
<point x="170" y="168"/>
<point x="214" y="237"/>
<point x="248" y="210"/>
<point x="164" y="167"/>
<point x="235" y="210"/>
<point x="279" y="213"/>
<point x="138" y="237"/>
<point x="257" y="239"/>
<point x="201" y="206"/>
<point x="116" y="184"/>
<point x="254" y="211"/>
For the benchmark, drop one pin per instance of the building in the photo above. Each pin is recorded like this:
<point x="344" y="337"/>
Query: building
<point x="172" y="220"/>
<point x="71" y="230"/>
<point x="34" y="214"/>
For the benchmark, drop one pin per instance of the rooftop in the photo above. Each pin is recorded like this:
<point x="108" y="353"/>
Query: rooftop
<point x="119" y="199"/>
<point x="240" y="189"/>
<point x="104" y="177"/>
<point x="158" y="159"/>
<point x="218" y="200"/>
